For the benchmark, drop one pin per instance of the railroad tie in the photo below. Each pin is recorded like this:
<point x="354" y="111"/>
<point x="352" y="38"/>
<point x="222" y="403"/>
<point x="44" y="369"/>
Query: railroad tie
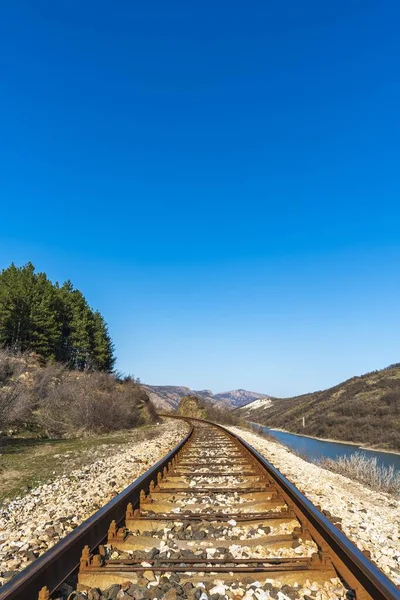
<point x="213" y="519"/>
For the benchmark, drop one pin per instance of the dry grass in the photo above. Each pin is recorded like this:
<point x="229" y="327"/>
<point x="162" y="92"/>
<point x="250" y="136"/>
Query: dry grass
<point x="70" y="404"/>
<point x="357" y="466"/>
<point x="367" y="471"/>
<point x="197" y="407"/>
<point x="58" y="402"/>
<point x="28" y="462"/>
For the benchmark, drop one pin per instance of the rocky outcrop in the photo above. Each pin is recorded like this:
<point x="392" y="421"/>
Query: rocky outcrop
<point x="192" y="406"/>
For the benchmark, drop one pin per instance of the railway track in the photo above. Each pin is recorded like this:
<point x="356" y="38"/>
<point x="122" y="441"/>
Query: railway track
<point x="212" y="520"/>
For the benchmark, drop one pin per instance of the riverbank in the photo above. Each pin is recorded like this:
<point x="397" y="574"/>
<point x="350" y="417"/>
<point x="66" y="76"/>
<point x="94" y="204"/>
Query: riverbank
<point x="370" y="519"/>
<point x="331" y="440"/>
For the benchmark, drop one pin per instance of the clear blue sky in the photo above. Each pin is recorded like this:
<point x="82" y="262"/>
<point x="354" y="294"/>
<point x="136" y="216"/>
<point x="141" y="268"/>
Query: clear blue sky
<point x="221" y="179"/>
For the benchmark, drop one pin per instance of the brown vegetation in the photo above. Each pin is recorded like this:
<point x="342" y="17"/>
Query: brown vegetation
<point x="15" y="398"/>
<point x="193" y="406"/>
<point x="363" y="409"/>
<point x="367" y="471"/>
<point x="92" y="402"/>
<point x="57" y="402"/>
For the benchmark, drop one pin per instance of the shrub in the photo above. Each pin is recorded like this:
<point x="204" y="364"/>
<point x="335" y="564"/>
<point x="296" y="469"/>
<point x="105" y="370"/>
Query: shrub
<point x="194" y="406"/>
<point x="69" y="405"/>
<point x="15" y="399"/>
<point x="368" y="471"/>
<point x="62" y="402"/>
<point x="223" y="415"/>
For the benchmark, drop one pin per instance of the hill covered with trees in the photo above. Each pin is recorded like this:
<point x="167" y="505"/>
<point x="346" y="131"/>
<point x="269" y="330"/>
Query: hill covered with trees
<point x="362" y="409"/>
<point x="53" y="321"/>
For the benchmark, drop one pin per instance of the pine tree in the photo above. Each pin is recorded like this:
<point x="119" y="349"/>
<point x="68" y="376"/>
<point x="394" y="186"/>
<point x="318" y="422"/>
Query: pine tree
<point x="102" y="350"/>
<point x="55" y="322"/>
<point x="64" y="311"/>
<point x="79" y="343"/>
<point x="44" y="319"/>
<point x="16" y="292"/>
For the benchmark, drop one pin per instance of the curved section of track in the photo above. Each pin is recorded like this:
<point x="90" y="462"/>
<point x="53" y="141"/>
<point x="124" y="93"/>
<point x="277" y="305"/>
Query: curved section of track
<point x="213" y="520"/>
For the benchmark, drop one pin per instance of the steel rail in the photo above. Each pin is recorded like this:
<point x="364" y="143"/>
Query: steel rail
<point x="371" y="578"/>
<point x="362" y="570"/>
<point x="56" y="565"/>
<point x="59" y="562"/>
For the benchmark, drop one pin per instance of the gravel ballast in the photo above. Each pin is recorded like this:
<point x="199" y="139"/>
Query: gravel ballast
<point x="370" y="519"/>
<point x="32" y="524"/>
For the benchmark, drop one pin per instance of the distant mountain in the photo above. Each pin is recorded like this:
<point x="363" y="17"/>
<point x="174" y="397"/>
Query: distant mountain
<point x="362" y="409"/>
<point x="256" y="407"/>
<point x="167" y="397"/>
<point x="238" y="398"/>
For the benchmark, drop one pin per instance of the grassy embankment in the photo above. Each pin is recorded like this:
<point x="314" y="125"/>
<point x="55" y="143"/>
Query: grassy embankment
<point x="26" y="462"/>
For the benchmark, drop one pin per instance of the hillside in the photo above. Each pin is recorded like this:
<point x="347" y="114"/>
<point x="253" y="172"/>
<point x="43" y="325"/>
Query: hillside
<point x="168" y="397"/>
<point x="362" y="409"/>
<point x="54" y="401"/>
<point x="201" y="408"/>
<point x="238" y="398"/>
<point x="192" y="406"/>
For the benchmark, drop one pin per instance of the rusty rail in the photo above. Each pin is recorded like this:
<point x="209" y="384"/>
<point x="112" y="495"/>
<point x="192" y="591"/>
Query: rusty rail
<point x="63" y="559"/>
<point x="54" y="566"/>
<point x="345" y="555"/>
<point x="349" y="561"/>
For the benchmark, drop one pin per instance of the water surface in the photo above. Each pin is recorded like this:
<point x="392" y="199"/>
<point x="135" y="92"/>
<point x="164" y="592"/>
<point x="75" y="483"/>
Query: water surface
<point x="314" y="449"/>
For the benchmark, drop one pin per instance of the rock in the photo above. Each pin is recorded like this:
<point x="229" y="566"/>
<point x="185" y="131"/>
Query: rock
<point x="111" y="592"/>
<point x="218" y="589"/>
<point x="157" y="592"/>
<point x="65" y="590"/>
<point x="135" y="591"/>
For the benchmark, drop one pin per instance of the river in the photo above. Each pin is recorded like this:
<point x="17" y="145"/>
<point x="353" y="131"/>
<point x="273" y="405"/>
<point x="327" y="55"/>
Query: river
<point x="314" y="449"/>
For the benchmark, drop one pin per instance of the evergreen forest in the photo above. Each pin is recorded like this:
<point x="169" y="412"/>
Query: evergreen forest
<point x="54" y="321"/>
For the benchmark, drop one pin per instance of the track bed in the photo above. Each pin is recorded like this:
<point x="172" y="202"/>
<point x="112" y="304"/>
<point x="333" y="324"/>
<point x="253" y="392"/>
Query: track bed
<point x="213" y="522"/>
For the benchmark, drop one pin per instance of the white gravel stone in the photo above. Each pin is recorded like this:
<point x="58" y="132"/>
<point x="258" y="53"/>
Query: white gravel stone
<point x="370" y="519"/>
<point x="46" y="514"/>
